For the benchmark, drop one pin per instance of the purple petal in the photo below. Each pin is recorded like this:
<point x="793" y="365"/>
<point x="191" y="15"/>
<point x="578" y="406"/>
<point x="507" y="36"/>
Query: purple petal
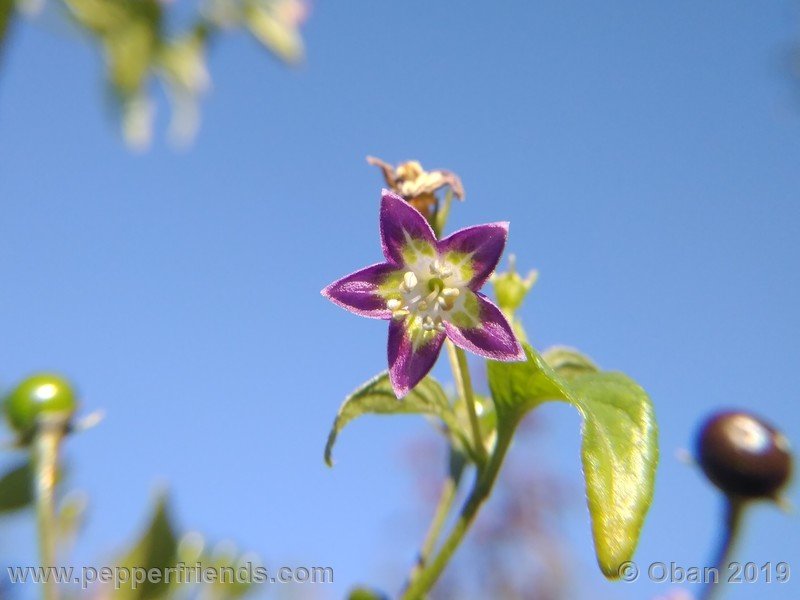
<point x="358" y="292"/>
<point x="491" y="337"/>
<point x="400" y="222"/>
<point x="410" y="362"/>
<point x="483" y="243"/>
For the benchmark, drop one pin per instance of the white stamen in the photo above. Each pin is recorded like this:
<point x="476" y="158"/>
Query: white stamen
<point x="428" y="292"/>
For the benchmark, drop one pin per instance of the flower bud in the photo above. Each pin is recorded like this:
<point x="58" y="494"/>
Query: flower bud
<point x="744" y="456"/>
<point x="510" y="289"/>
<point x="40" y="394"/>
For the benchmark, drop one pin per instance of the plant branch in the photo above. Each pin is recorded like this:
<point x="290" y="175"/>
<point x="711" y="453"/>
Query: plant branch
<point x="484" y="481"/>
<point x="446" y="499"/>
<point x="734" y="509"/>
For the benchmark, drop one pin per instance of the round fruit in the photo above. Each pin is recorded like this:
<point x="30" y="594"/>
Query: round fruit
<point x="743" y="455"/>
<point x="43" y="393"/>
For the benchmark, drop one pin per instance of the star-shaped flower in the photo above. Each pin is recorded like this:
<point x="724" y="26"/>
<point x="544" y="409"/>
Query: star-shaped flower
<point x="428" y="290"/>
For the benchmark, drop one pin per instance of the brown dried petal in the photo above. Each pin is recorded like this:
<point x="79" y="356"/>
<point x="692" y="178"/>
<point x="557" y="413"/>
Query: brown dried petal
<point x="388" y="171"/>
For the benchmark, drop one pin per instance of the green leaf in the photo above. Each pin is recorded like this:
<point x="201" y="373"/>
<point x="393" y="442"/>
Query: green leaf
<point x="620" y="455"/>
<point x="377" y="397"/>
<point x="619" y="450"/>
<point x="156" y="548"/>
<point x="16" y="488"/>
<point x="517" y="387"/>
<point x="568" y="362"/>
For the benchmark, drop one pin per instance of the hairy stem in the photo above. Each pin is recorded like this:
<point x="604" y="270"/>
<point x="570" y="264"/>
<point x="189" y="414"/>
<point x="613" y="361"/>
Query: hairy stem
<point x="44" y="458"/>
<point x="458" y="361"/>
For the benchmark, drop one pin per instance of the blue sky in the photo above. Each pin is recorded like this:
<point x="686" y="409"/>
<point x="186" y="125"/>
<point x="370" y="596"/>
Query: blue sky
<point x="646" y="155"/>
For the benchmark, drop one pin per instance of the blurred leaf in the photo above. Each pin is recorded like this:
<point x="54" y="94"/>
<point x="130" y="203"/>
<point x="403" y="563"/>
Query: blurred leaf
<point x="130" y="34"/>
<point x="377" y="397"/>
<point x="156" y="548"/>
<point x="364" y="593"/>
<point x="6" y="14"/>
<point x="568" y="362"/>
<point x="137" y="121"/>
<point x="16" y="488"/>
<point x="226" y="558"/>
<point x="183" y="60"/>
<point x="619" y="450"/>
<point x="275" y="24"/>
<point x="129" y="53"/>
<point x="71" y="517"/>
<point x="100" y="17"/>
<point x="182" y="66"/>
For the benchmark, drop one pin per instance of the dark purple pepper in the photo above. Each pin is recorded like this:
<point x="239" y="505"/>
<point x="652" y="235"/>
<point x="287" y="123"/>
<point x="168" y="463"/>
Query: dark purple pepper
<point x="744" y="456"/>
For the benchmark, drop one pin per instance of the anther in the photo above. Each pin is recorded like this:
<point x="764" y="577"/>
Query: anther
<point x="393" y="304"/>
<point x="409" y="280"/>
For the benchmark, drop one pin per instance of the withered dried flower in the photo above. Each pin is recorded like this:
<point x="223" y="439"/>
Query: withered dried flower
<point x="416" y="185"/>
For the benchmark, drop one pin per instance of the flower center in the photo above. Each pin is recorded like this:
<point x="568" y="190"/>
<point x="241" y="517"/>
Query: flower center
<point x="426" y="295"/>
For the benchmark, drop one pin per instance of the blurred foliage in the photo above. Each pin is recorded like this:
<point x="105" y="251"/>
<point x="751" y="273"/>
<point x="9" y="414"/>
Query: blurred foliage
<point x="16" y="488"/>
<point x="139" y="49"/>
<point x="6" y="12"/>
<point x="71" y="518"/>
<point x="156" y="548"/>
<point x="161" y="546"/>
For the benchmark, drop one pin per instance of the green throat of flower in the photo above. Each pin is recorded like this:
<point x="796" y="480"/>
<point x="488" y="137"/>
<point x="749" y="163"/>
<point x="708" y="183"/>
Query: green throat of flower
<point x="425" y="295"/>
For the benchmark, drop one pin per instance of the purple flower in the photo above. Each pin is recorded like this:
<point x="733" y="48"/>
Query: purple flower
<point x="428" y="290"/>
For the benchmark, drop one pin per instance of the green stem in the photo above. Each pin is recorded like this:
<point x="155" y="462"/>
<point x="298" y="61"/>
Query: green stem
<point x="458" y="361"/>
<point x="442" y="212"/>
<point x="484" y="482"/>
<point x="443" y="508"/>
<point x="44" y="457"/>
